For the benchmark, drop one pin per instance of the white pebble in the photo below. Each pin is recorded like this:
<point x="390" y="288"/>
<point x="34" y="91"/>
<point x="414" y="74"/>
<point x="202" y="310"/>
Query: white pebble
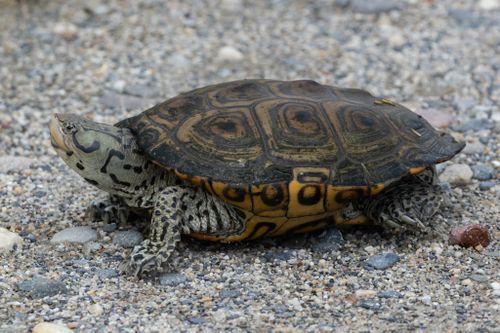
<point x="119" y="85"/>
<point x="51" y="328"/>
<point x="14" y="163"/>
<point x="230" y="54"/>
<point x="96" y="309"/>
<point x="457" y="174"/>
<point x="495" y="285"/>
<point x="426" y="299"/>
<point x="220" y="315"/>
<point x="396" y="40"/>
<point x="489" y="4"/>
<point x="365" y="293"/>
<point x="8" y="240"/>
<point x="80" y="234"/>
<point x="295" y="304"/>
<point x="65" y="30"/>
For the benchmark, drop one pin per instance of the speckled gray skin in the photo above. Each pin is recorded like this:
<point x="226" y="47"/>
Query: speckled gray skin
<point x="108" y="157"/>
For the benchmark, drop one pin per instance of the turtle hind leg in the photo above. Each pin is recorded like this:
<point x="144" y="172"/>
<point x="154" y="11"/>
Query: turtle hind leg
<point x="180" y="210"/>
<point x="411" y="202"/>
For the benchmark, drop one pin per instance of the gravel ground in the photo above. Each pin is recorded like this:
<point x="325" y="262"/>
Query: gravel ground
<point x="112" y="59"/>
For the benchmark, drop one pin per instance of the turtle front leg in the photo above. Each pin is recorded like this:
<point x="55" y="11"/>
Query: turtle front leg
<point x="412" y="202"/>
<point x="109" y="210"/>
<point x="181" y="210"/>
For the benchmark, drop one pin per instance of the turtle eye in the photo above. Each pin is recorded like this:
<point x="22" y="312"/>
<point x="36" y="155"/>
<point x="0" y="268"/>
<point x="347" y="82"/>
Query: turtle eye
<point x="69" y="128"/>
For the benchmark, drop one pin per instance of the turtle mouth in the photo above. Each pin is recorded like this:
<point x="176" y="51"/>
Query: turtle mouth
<point x="56" y="135"/>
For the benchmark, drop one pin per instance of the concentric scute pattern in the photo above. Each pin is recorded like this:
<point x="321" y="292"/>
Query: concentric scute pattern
<point x="257" y="132"/>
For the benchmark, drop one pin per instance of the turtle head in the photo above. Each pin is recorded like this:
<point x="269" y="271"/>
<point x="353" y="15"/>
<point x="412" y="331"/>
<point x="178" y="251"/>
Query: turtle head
<point x="105" y="155"/>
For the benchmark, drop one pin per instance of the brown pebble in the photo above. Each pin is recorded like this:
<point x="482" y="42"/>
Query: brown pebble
<point x="470" y="235"/>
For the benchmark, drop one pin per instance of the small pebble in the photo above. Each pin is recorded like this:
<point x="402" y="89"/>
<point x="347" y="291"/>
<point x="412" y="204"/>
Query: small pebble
<point x="483" y="172"/>
<point x="484" y="186"/>
<point x="220" y="315"/>
<point x="457" y="174"/>
<point x="362" y="293"/>
<point x="9" y="240"/>
<point x="228" y="293"/>
<point x="96" y="309"/>
<point x="179" y="61"/>
<point x="14" y="163"/>
<point x="382" y="261"/>
<point x="474" y="125"/>
<point x="107" y="273"/>
<point x="374" y="6"/>
<point x="329" y="240"/>
<point x="172" y="279"/>
<point x="389" y="294"/>
<point x="229" y="54"/>
<point x="473" y="148"/>
<point x="470" y="235"/>
<point x="278" y="255"/>
<point x="51" y="328"/>
<point x="66" y="30"/>
<point x="370" y="304"/>
<point x="109" y="227"/>
<point x="127" y="238"/>
<point x="39" y="287"/>
<point x="196" y="320"/>
<point x="478" y="278"/>
<point x="489" y="4"/>
<point x="426" y="299"/>
<point x="81" y="234"/>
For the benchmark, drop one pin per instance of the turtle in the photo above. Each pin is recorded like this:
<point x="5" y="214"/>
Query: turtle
<point x="252" y="158"/>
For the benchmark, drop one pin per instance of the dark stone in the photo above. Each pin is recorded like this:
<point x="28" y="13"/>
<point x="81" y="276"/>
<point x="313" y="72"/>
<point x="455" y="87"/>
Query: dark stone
<point x="329" y="240"/>
<point x="228" y="293"/>
<point x="389" y="294"/>
<point x="278" y="255"/>
<point x="374" y="6"/>
<point x="370" y="304"/>
<point x="40" y="287"/>
<point x="27" y="235"/>
<point x="485" y="186"/>
<point x="128" y="238"/>
<point x="483" y="172"/>
<point x="109" y="227"/>
<point x="107" y="273"/>
<point x="478" y="278"/>
<point x="172" y="279"/>
<point x="40" y="194"/>
<point x="382" y="261"/>
<point x="484" y="140"/>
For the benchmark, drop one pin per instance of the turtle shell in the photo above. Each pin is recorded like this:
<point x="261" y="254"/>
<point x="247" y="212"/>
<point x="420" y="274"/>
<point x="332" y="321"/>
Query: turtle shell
<point x="258" y="132"/>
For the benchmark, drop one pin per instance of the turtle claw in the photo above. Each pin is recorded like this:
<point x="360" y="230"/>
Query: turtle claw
<point x="392" y="224"/>
<point x="411" y="221"/>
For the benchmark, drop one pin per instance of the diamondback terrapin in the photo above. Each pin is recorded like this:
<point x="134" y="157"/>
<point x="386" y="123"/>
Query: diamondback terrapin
<point x="252" y="158"/>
